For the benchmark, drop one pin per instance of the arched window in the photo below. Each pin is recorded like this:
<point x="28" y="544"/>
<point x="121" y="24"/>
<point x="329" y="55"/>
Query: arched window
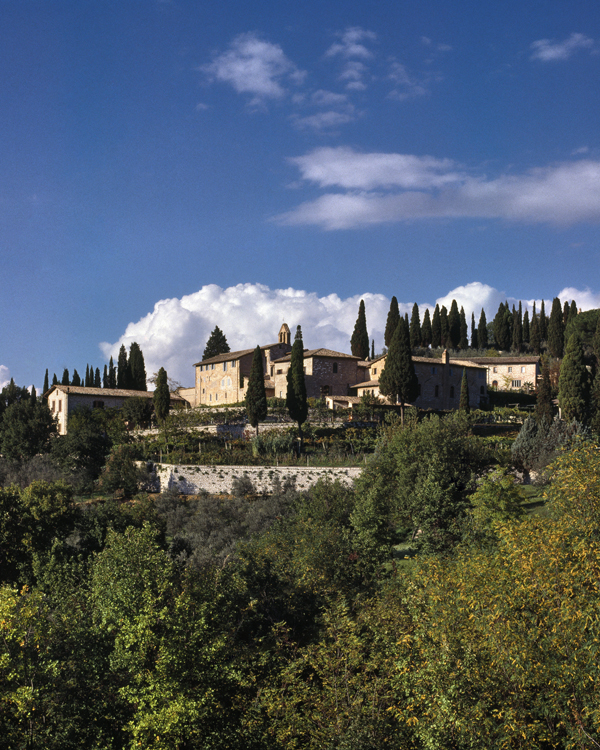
<point x="494" y="383"/>
<point x="451" y="391"/>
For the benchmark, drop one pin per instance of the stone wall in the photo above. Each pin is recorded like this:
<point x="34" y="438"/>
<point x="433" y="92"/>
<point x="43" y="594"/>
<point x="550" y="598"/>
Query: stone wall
<point x="191" y="480"/>
<point x="319" y="373"/>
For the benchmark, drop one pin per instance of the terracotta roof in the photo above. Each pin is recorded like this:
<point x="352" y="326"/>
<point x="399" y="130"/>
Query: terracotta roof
<point x="435" y="362"/>
<point x="504" y="360"/>
<point x="367" y="384"/>
<point x="116" y="392"/>
<point x="308" y="353"/>
<point x="233" y="355"/>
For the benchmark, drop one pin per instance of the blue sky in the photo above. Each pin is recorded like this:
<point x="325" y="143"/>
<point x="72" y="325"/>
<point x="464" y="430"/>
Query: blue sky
<point x="170" y="166"/>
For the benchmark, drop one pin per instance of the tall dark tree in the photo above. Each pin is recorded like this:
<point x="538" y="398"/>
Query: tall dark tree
<point x="464" y="394"/>
<point x="54" y="379"/>
<point x="87" y="376"/>
<point x="162" y="396"/>
<point x="445" y="327"/>
<point x="76" y="379"/>
<point x="482" y="331"/>
<point x="502" y="327"/>
<point x="556" y="330"/>
<point x="463" y="342"/>
<point x="535" y="340"/>
<point x="46" y="385"/>
<point x="123" y="374"/>
<point x="296" y="401"/>
<point x="474" y="344"/>
<point x="398" y="380"/>
<point x="566" y="314"/>
<point x="112" y="374"/>
<point x="392" y="321"/>
<point x="216" y="344"/>
<point x="65" y="378"/>
<point x="105" y="377"/>
<point x="453" y="326"/>
<point x="372" y="348"/>
<point x="574" y="383"/>
<point x="27" y="427"/>
<point x="543" y="322"/>
<point x="359" y="343"/>
<point x="426" y="329"/>
<point x="137" y="368"/>
<point x="526" y="331"/>
<point x="256" y="396"/>
<point x="544" y="409"/>
<point x="573" y="311"/>
<point x="436" y="328"/>
<point x="97" y="379"/>
<point x="517" y="332"/>
<point x="415" y="327"/>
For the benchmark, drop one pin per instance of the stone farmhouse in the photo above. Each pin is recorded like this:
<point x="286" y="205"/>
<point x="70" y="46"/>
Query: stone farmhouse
<point x="64" y="399"/>
<point x="439" y="382"/>
<point x="510" y="373"/>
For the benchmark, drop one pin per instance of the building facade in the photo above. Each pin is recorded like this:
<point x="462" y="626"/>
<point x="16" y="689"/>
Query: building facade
<point x="510" y="373"/>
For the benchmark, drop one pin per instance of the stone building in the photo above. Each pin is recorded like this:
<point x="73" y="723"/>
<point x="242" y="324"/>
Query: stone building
<point x="439" y="381"/>
<point x="224" y="379"/>
<point x="510" y="373"/>
<point x="63" y="399"/>
<point x="327" y="373"/>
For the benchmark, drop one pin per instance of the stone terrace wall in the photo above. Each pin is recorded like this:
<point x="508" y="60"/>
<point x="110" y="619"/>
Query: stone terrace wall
<point x="191" y="480"/>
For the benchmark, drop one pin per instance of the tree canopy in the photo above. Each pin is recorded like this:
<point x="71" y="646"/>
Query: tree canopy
<point x="296" y="400"/>
<point x="398" y="380"/>
<point x="216" y="344"/>
<point x="359" y="343"/>
<point x="256" y="396"/>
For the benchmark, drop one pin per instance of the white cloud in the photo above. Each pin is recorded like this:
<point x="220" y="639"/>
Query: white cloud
<point x="407" y="85"/>
<point x="4" y="376"/>
<point x="399" y="187"/>
<point x="324" y="120"/>
<point x="547" y="50"/>
<point x="254" y="66"/>
<point x="174" y="334"/>
<point x="350" y="43"/>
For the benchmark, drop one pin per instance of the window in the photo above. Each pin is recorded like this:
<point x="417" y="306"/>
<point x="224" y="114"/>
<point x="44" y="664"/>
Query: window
<point x="210" y="396"/>
<point x="510" y="369"/>
<point x="451" y="391"/>
<point x="522" y="369"/>
<point x="516" y="383"/>
<point x="203" y="390"/>
<point x="279" y="372"/>
<point x="450" y="371"/>
<point x="216" y="396"/>
<point x="233" y="363"/>
<point x="481" y="374"/>
<point x="98" y="404"/>
<point x="53" y="406"/>
<point x="225" y="366"/>
<point x="495" y="369"/>
<point x="433" y="370"/>
<point x="272" y="368"/>
<point x="374" y="371"/>
<point x="494" y="383"/>
<point x="212" y="367"/>
<point x="201" y="367"/>
<point x="335" y="366"/>
<point x="60" y="406"/>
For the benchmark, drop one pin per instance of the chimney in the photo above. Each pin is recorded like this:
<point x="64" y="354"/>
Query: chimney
<point x="445" y="358"/>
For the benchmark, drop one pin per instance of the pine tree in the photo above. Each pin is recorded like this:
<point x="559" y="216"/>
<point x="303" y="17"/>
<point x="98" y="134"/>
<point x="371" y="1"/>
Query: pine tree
<point x="392" y="321"/>
<point x="46" y="386"/>
<point x="436" y="329"/>
<point x="359" y="343"/>
<point x="464" y="394"/>
<point x="426" y="329"/>
<point x="544" y="409"/>
<point x="76" y="379"/>
<point x="556" y="330"/>
<point x="463" y="342"/>
<point x="453" y="340"/>
<point x="216" y="344"/>
<point x="112" y="374"/>
<point x="473" y="332"/>
<point x="97" y="380"/>
<point x="256" y="396"/>
<point x="398" y="379"/>
<point x="137" y="368"/>
<point x="162" y="397"/>
<point x="526" y="333"/>
<point x="65" y="378"/>
<point x="123" y="376"/>
<point x="574" y="383"/>
<point x="445" y="327"/>
<point x="415" y="327"/>
<point x="296" y="401"/>
<point x="482" y="332"/>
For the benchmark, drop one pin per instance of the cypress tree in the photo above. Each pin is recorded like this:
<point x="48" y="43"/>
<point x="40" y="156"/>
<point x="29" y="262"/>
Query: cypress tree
<point x="112" y="374"/>
<point x="359" y="343"/>
<point x="65" y="378"/>
<point x="123" y="379"/>
<point x="453" y="339"/>
<point x="426" y="329"/>
<point x="76" y="379"/>
<point x="445" y="327"/>
<point x="474" y="344"/>
<point x="105" y="377"/>
<point x="137" y="368"/>
<point x="97" y="380"/>
<point x="436" y="328"/>
<point x="556" y="330"/>
<point x="574" y="383"/>
<point x="373" y="349"/>
<point x="482" y="332"/>
<point x="464" y="393"/>
<point x="256" y="396"/>
<point x="517" y="332"/>
<point x="566" y="312"/>
<point x="526" y="333"/>
<point x="87" y="376"/>
<point x="415" y="327"/>
<point x="535" y="340"/>
<point x="502" y="328"/>
<point x="296" y="401"/>
<point x="463" y="342"/>
<point x="544" y="409"/>
<point x="33" y="396"/>
<point x="398" y="380"/>
<point x="162" y="397"/>
<point x="392" y="321"/>
<point x="54" y="379"/>
<point x="216" y="344"/>
<point x="46" y="386"/>
<point x="573" y="311"/>
<point x="543" y="322"/>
